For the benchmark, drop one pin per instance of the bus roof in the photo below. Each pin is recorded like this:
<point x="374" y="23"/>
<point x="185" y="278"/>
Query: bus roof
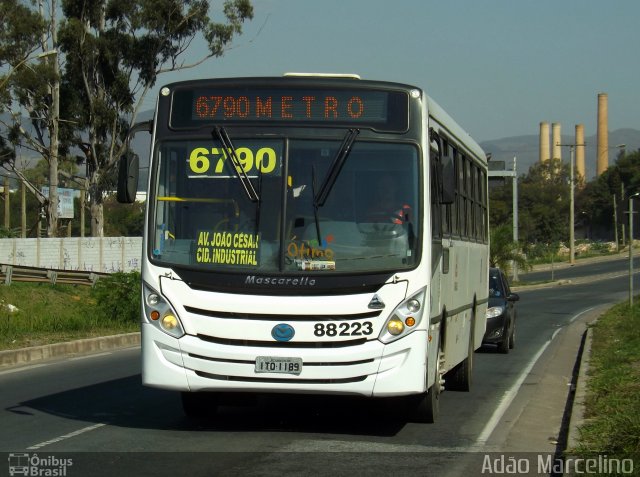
<point x="454" y="129"/>
<point x="323" y="75"/>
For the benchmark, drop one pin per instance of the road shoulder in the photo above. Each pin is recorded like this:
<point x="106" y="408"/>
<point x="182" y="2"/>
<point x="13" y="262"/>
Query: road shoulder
<point x="539" y="418"/>
<point x="36" y="354"/>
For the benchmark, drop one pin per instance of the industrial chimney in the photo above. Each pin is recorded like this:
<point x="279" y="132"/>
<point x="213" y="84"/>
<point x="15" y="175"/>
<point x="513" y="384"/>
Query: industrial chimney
<point x="544" y="142"/>
<point x="557" y="141"/>
<point x="603" y="135"/>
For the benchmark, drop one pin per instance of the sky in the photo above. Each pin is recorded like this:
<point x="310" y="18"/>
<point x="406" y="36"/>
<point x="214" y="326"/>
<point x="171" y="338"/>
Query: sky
<point x="499" y="67"/>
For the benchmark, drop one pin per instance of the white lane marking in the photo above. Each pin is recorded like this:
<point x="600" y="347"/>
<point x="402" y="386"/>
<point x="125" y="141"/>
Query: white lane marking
<point x="66" y="436"/>
<point x="581" y="313"/>
<point x="23" y="368"/>
<point x="512" y="392"/>
<point x="509" y="396"/>
<point x="89" y="356"/>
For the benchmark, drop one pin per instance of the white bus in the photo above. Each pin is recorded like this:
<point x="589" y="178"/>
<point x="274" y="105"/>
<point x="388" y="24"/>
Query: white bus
<point x="310" y="234"/>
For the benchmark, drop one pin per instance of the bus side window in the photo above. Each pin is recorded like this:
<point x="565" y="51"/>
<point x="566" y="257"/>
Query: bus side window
<point x="436" y="207"/>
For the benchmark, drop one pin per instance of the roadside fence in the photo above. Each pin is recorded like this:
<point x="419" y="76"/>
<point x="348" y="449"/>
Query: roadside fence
<point x="69" y="258"/>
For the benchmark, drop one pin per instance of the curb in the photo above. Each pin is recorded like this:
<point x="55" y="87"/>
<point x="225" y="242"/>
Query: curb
<point x="567" y="281"/>
<point x="24" y="356"/>
<point x="580" y="395"/>
<point x="579" y="261"/>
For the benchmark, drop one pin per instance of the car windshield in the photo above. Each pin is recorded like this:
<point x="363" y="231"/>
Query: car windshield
<point x="495" y="286"/>
<point x="204" y="217"/>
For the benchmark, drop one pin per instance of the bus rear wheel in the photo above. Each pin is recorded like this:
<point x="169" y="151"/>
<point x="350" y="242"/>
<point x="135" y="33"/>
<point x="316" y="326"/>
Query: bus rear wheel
<point x="459" y="377"/>
<point x="199" y="404"/>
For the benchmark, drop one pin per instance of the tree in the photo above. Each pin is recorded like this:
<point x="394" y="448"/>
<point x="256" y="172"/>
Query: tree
<point x="544" y="202"/>
<point x="504" y="251"/>
<point x="20" y="34"/>
<point x="123" y="220"/>
<point x="30" y="86"/>
<point x="500" y="204"/>
<point x="596" y="199"/>
<point x="114" y="53"/>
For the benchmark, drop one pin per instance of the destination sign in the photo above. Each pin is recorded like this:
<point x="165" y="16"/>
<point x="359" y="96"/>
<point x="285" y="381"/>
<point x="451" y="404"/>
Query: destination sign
<point x="385" y="110"/>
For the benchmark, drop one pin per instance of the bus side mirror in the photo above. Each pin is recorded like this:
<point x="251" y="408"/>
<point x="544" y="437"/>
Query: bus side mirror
<point x="448" y="175"/>
<point x="128" y="171"/>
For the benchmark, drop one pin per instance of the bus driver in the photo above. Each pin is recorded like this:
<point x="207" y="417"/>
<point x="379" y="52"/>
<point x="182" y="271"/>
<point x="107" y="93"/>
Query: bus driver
<point x="386" y="203"/>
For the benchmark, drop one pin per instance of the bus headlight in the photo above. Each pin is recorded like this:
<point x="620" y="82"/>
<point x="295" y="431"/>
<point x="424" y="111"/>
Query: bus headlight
<point x="159" y="313"/>
<point x="404" y="319"/>
<point x="169" y="322"/>
<point x="395" y="326"/>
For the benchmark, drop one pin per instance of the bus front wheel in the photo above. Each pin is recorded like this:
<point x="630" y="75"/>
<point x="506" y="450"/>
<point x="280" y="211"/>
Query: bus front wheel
<point x="427" y="405"/>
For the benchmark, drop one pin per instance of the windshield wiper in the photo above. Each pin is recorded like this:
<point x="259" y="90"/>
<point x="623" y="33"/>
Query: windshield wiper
<point x="334" y="169"/>
<point x="315" y="204"/>
<point x="221" y="134"/>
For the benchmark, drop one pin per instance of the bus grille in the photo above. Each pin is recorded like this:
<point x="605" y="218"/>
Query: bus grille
<point x="272" y="317"/>
<point x="307" y="363"/>
<point x="283" y="344"/>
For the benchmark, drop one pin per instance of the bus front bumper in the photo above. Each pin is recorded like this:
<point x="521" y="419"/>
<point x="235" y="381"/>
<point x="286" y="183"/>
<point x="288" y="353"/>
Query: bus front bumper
<point x="370" y="369"/>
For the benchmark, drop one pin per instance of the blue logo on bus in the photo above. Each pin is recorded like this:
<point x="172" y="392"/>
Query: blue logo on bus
<point x="283" y="332"/>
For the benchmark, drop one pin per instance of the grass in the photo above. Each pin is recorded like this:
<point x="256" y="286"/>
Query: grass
<point x="612" y="424"/>
<point x="46" y="313"/>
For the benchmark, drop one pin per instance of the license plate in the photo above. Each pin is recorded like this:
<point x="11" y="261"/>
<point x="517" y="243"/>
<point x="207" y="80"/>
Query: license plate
<point x="272" y="364"/>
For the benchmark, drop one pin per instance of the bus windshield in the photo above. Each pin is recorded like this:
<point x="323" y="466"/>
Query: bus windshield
<point x="204" y="218"/>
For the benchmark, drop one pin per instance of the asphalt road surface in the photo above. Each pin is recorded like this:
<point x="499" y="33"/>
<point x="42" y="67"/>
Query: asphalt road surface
<point x="94" y="411"/>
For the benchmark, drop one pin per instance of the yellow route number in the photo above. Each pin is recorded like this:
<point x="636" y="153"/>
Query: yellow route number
<point x="201" y="160"/>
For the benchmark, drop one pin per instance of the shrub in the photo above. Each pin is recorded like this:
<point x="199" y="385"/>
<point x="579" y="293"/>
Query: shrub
<point x="118" y="297"/>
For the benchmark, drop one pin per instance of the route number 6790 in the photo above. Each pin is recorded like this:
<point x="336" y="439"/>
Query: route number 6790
<point x="264" y="160"/>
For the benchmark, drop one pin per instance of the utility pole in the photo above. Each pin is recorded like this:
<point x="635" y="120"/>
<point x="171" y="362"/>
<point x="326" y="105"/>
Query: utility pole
<point x="622" y="202"/>
<point x="23" y="209"/>
<point x="572" y="240"/>
<point x="7" y="209"/>
<point x="498" y="169"/>
<point x="514" y="206"/>
<point x="53" y="116"/>
<point x="615" y="223"/>
<point x="631" y="197"/>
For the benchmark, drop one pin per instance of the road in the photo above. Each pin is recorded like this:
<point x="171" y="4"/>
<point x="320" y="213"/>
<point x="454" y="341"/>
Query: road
<point x="94" y="410"/>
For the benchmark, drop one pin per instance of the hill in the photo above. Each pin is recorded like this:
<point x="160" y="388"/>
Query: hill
<point x="525" y="149"/>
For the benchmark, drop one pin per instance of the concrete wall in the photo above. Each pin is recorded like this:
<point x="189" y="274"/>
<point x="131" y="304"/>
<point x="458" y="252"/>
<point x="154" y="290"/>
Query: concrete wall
<point x="93" y="254"/>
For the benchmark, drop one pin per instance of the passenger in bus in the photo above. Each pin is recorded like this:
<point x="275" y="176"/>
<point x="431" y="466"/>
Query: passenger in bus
<point x="387" y="204"/>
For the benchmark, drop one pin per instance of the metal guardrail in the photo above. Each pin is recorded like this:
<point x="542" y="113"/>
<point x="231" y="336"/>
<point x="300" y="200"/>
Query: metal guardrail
<point x="9" y="273"/>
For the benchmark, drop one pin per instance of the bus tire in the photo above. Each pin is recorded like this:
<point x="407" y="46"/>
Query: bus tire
<point x="426" y="407"/>
<point x="459" y="378"/>
<point x="198" y="405"/>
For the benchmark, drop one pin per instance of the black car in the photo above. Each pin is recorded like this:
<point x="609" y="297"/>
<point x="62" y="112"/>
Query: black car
<point x="501" y="313"/>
